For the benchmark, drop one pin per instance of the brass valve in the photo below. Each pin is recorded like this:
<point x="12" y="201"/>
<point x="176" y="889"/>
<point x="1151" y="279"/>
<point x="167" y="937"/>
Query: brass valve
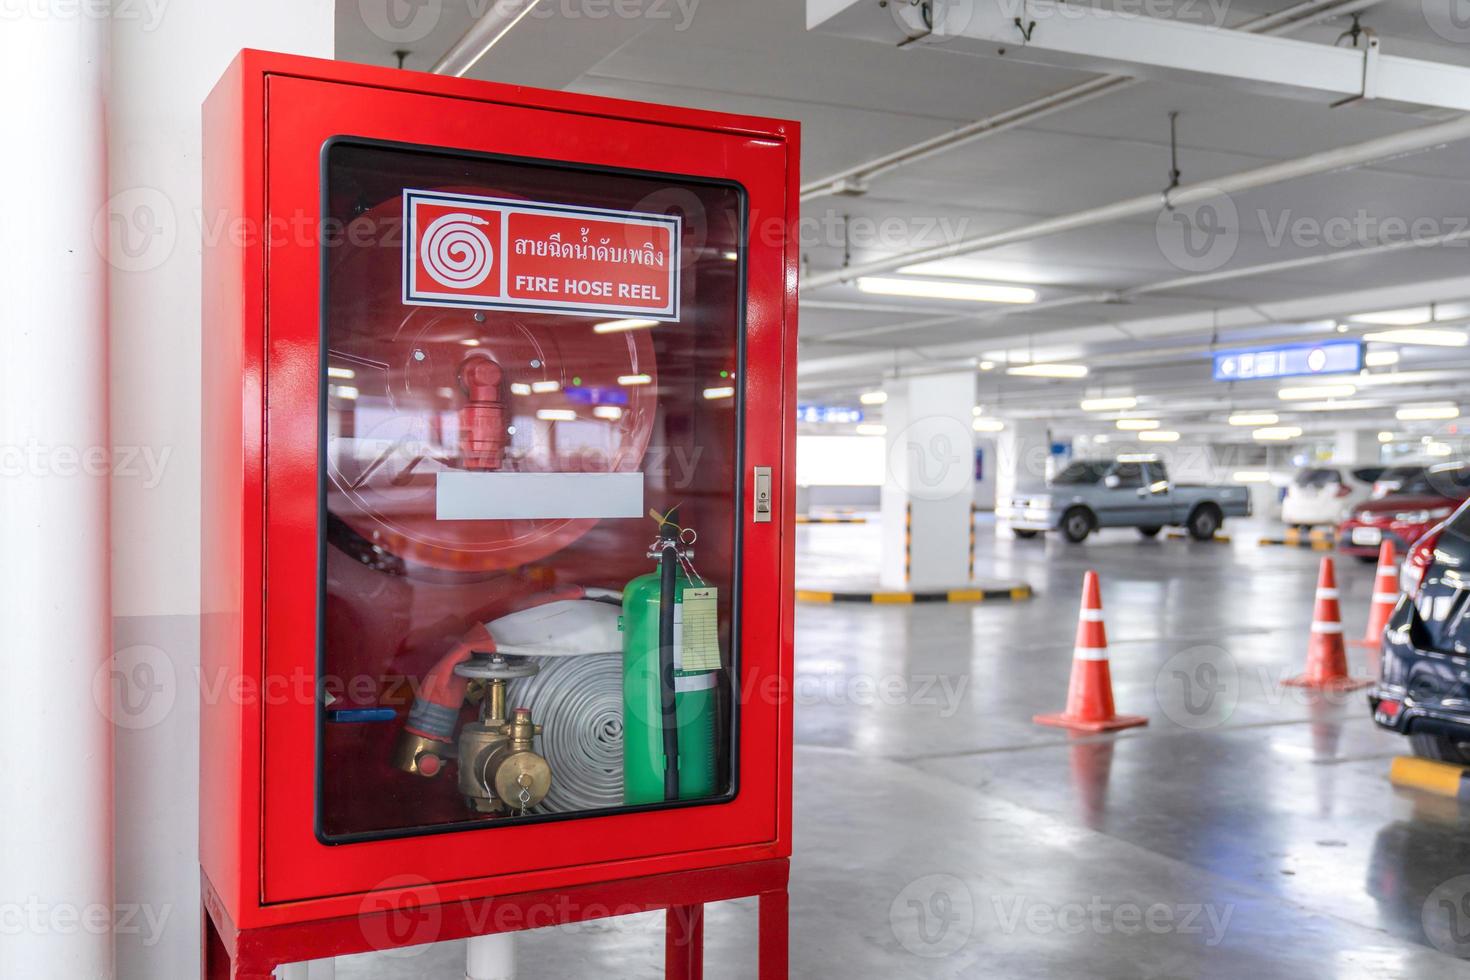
<point x="499" y="769"/>
<point x="522" y="777"/>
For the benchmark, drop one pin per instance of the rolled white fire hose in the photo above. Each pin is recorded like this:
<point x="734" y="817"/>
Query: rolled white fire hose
<point x="578" y="702"/>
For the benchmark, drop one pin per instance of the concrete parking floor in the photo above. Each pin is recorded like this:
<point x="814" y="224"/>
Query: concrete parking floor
<point x="1248" y="831"/>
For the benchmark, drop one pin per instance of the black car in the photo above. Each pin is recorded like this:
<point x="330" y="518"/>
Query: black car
<point x="1423" y="690"/>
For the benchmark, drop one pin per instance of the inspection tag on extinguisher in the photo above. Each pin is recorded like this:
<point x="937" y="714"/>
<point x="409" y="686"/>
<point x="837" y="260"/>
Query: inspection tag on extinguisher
<point x="500" y="254"/>
<point x="700" y="642"/>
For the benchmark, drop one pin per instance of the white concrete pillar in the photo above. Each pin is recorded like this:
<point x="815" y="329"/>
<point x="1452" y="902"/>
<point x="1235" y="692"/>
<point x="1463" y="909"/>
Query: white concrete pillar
<point x="928" y="491"/>
<point x="313" y="970"/>
<point x="166" y="58"/>
<point x="1024" y="448"/>
<point x="490" y="957"/>
<point x="987" y="462"/>
<point x="1356" y="447"/>
<point x="55" y="735"/>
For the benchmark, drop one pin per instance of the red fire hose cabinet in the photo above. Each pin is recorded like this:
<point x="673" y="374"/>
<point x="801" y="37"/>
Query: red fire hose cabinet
<point x="499" y="399"/>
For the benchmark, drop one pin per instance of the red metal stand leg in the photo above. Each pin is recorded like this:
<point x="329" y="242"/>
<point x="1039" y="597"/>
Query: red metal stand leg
<point x="774" y="935"/>
<point x="684" y="943"/>
<point x="216" y="962"/>
<point x="214" y="959"/>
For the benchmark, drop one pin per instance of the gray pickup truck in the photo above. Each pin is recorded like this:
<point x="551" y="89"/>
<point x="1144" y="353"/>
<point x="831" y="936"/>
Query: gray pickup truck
<point x="1130" y="491"/>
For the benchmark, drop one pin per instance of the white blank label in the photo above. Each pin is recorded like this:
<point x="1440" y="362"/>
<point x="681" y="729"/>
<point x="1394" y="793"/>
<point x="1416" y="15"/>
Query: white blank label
<point x="465" y="496"/>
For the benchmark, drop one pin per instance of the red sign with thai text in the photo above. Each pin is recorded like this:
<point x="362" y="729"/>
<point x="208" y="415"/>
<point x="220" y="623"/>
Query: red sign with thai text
<point x="492" y="253"/>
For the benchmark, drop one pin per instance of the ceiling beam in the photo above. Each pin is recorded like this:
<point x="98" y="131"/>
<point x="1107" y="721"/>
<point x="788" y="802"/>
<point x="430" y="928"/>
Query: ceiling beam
<point x="854" y="180"/>
<point x="1122" y="42"/>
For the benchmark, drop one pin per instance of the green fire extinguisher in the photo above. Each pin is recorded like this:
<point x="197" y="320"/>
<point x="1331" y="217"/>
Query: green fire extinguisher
<point x="670" y="676"/>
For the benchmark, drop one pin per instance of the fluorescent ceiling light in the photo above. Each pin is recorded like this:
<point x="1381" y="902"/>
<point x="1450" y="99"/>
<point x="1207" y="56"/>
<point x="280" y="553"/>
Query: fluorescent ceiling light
<point x="618" y="326"/>
<point x="873" y="397"/>
<point x="974" y="292"/>
<point x="1159" y="435"/>
<point x="1119" y="403"/>
<point x="1421" y="337"/>
<point x="987" y="425"/>
<point x="1054" y="370"/>
<point x="556" y="415"/>
<point x="987" y="365"/>
<point x="1381" y="358"/>
<point x="1310" y="392"/>
<point x="627" y="380"/>
<point x="955" y="268"/>
<point x="721" y="392"/>
<point x="870" y="429"/>
<point x="1255" y="418"/>
<point x="1397" y="318"/>
<point x="1427" y="413"/>
<point x="341" y="372"/>
<point x="610" y="412"/>
<point x="343" y="391"/>
<point x="519" y="388"/>
<point x="1386" y="437"/>
<point x="542" y="387"/>
<point x="1438" y="449"/>
<point x="1138" y="425"/>
<point x="1343" y="406"/>
<point x="978" y="410"/>
<point x="1251" y="476"/>
<point x="1282" y="433"/>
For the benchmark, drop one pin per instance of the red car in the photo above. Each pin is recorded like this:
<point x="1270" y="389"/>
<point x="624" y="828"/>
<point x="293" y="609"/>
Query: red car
<point x="1407" y="501"/>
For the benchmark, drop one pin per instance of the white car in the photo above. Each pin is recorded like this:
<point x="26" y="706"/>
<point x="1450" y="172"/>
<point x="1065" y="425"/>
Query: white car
<point x="1324" y="494"/>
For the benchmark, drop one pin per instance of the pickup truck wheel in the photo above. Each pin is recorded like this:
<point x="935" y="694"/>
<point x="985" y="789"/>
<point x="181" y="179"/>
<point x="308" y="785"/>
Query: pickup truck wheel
<point x="1150" y="532"/>
<point x="1440" y="748"/>
<point x="1024" y="534"/>
<point x="1204" y="522"/>
<point x="1077" y="524"/>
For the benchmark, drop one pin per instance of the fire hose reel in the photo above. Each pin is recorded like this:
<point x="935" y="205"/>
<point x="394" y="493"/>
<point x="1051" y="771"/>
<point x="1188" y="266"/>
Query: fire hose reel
<point x="537" y="332"/>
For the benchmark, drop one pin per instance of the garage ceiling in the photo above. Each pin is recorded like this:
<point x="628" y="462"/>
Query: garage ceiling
<point x="860" y="99"/>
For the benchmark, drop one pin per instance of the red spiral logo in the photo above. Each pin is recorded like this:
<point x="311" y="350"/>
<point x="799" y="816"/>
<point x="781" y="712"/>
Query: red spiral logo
<point x="456" y="252"/>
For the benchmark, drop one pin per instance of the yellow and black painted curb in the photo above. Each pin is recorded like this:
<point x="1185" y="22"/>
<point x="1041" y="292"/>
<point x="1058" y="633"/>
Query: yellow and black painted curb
<point x="1439" y="778"/>
<point x="1185" y="536"/>
<point x="1018" y="593"/>
<point x="1319" y="539"/>
<point x="832" y="519"/>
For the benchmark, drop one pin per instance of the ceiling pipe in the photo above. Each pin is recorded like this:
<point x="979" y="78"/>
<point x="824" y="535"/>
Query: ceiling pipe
<point x="1304" y="14"/>
<point x="484" y="34"/>
<point x="853" y="180"/>
<point x="1169" y="285"/>
<point x="1327" y="161"/>
<point x="1288" y="265"/>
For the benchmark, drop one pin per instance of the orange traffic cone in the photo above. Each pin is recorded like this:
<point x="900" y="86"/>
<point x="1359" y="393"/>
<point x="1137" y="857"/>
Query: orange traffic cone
<point x="1090" y="694"/>
<point x="1327" y="668"/>
<point x="1385" y="597"/>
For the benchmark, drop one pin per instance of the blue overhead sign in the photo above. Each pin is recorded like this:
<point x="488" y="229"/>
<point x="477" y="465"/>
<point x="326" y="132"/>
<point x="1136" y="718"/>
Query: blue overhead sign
<point x="829" y="413"/>
<point x="1290" y="361"/>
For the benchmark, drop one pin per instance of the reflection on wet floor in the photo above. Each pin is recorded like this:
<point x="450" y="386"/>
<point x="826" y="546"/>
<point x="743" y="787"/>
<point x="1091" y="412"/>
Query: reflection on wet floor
<point x="1248" y="830"/>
